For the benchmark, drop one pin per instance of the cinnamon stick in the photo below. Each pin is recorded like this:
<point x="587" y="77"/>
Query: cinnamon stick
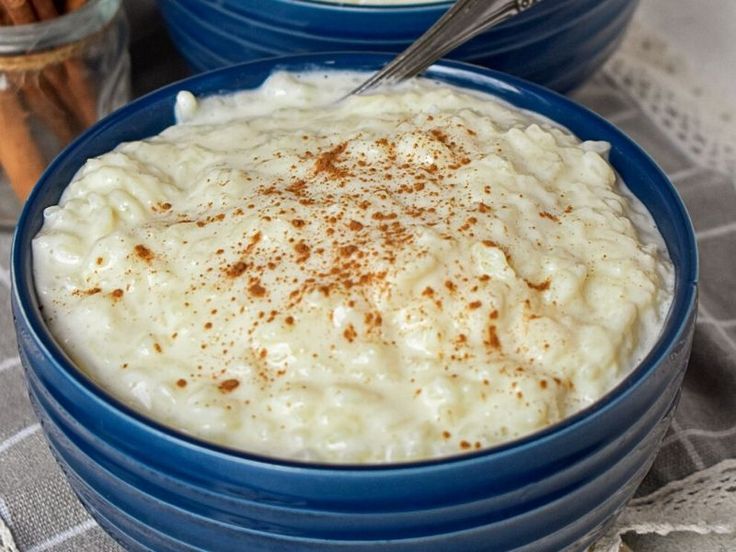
<point x="4" y="17"/>
<point x="74" y="90"/>
<point x="71" y="5"/>
<point x="20" y="12"/>
<point x="43" y="99"/>
<point x="82" y="91"/>
<point x="19" y="155"/>
<point x="44" y="9"/>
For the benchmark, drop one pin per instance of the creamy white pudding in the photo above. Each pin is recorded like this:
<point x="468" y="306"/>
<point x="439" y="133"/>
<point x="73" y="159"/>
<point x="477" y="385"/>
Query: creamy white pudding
<point x="418" y="272"/>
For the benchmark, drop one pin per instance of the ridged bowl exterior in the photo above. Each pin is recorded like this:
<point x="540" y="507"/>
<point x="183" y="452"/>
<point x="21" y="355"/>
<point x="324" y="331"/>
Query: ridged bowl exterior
<point x="155" y="489"/>
<point x="558" y="43"/>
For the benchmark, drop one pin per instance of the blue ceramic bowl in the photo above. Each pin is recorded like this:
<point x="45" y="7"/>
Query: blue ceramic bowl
<point x="156" y="489"/>
<point x="558" y="43"/>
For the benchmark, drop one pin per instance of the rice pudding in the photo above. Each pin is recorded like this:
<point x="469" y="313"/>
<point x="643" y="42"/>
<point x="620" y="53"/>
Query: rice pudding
<point x="414" y="273"/>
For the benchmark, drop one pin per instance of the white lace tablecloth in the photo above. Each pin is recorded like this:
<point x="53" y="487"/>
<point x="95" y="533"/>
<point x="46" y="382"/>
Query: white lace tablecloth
<point x="672" y="87"/>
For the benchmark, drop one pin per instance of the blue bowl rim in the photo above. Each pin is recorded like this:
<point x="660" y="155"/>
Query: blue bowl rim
<point x="391" y="10"/>
<point x="413" y="8"/>
<point x="682" y="307"/>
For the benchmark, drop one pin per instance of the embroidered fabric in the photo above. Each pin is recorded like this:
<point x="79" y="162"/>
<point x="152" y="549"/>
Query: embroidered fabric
<point x="696" y="117"/>
<point x="702" y="503"/>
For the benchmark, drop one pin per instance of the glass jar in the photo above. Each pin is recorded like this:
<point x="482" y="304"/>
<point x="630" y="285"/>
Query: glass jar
<point x="57" y="77"/>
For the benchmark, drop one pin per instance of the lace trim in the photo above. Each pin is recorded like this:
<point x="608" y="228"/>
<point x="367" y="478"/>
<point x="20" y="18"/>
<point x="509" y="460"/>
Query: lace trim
<point x="702" y="503"/>
<point x="660" y="81"/>
<point x="7" y="544"/>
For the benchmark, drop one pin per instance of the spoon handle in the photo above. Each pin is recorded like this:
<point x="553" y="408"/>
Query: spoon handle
<point x="464" y="20"/>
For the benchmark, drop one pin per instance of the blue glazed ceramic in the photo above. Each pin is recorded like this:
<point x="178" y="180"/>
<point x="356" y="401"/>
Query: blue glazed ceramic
<point x="153" y="488"/>
<point x="557" y="43"/>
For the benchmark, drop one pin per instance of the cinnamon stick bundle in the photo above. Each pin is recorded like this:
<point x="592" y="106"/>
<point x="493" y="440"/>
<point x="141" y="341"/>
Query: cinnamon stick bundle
<point x="19" y="12"/>
<point x="44" y="91"/>
<point x="44" y="9"/>
<point x="21" y="158"/>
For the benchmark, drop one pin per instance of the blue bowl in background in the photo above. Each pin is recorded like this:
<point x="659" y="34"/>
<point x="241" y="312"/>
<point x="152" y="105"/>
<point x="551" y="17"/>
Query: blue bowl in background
<point x="558" y="43"/>
<point x="154" y="488"/>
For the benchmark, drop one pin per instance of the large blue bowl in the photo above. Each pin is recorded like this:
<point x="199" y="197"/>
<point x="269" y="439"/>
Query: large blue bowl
<point x="156" y="489"/>
<point x="558" y="43"/>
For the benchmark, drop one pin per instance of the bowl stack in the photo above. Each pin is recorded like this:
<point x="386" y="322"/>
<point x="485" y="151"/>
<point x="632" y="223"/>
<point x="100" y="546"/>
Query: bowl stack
<point x="558" y="43"/>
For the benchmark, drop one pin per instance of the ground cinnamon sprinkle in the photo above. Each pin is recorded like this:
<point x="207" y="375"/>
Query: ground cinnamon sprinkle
<point x="440" y="136"/>
<point x="326" y="162"/>
<point x="228" y="385"/>
<point x="381" y="216"/>
<point x="87" y="292"/>
<point x="252" y="243"/>
<point x="297" y="188"/>
<point x="348" y="250"/>
<point x="303" y="251"/>
<point x="144" y="253"/>
<point x="550" y="216"/>
<point x="236" y="269"/>
<point x="492" y="340"/>
<point x="257" y="290"/>
<point x="539" y="287"/>
<point x="350" y="334"/>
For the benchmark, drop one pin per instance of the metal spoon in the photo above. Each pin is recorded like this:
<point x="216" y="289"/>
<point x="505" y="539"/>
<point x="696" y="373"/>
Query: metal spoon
<point x="464" y="20"/>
